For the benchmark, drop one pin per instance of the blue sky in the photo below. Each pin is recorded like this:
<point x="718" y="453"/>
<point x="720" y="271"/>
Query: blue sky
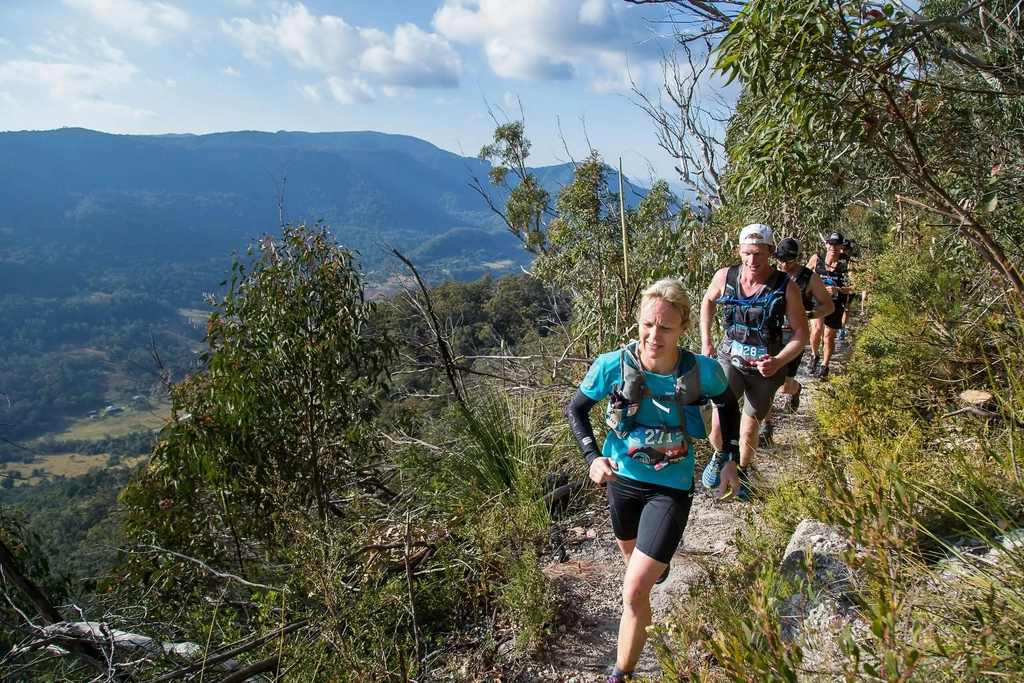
<point x="427" y="68"/>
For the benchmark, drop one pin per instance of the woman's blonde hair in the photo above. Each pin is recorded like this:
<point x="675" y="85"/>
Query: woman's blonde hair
<point x="670" y="290"/>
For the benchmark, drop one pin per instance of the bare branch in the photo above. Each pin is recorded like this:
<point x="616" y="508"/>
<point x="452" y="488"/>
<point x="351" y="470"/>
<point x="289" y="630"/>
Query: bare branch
<point x="443" y="346"/>
<point x="688" y="122"/>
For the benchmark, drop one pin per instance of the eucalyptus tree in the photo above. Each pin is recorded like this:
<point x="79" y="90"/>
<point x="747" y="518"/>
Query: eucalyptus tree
<point x="886" y="102"/>
<point x="526" y="209"/>
<point x="604" y="254"/>
<point x="581" y="245"/>
<point x="690" y="116"/>
<point x="276" y="422"/>
<point x="924" y="106"/>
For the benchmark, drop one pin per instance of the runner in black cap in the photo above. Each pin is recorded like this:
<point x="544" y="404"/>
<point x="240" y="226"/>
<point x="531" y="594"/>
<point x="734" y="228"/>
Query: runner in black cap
<point x="835" y="273"/>
<point x="818" y="304"/>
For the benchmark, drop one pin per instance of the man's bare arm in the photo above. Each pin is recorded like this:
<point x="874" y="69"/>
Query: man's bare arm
<point x="708" y="311"/>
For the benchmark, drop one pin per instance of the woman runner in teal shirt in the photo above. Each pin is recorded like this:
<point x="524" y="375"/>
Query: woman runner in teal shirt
<point x="649" y="467"/>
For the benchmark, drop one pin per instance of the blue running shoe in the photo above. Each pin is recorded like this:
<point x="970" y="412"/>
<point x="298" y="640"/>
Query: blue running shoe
<point x="710" y="478"/>
<point x="842" y="334"/>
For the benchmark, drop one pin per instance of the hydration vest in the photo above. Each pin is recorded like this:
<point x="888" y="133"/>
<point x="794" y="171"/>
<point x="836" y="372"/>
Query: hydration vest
<point x="753" y="326"/>
<point x="658" y="445"/>
<point x="833" y="278"/>
<point x="801" y="280"/>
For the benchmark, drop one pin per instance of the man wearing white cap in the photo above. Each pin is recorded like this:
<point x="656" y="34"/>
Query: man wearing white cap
<point x="754" y="298"/>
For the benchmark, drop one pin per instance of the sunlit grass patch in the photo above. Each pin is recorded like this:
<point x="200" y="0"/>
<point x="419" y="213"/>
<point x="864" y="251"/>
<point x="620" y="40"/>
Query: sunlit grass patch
<point x="112" y="426"/>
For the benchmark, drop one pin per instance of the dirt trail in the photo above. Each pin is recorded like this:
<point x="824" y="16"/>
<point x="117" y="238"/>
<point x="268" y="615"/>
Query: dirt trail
<point x="591" y="578"/>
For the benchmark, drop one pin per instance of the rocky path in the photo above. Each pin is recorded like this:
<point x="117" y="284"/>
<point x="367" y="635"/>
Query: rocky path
<point x="591" y="579"/>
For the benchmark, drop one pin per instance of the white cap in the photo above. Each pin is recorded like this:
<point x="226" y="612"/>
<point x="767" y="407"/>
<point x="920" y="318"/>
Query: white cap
<point x="757" y="233"/>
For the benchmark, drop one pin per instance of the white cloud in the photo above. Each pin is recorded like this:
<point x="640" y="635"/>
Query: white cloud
<point x="147" y="20"/>
<point x="230" y="72"/>
<point x="447" y="101"/>
<point x="67" y="81"/>
<point x="351" y="91"/>
<point x="4" y="41"/>
<point x="170" y="83"/>
<point x="79" y="78"/>
<point x="408" y="57"/>
<point x="110" y="108"/>
<point x="6" y="97"/>
<point x="310" y="92"/>
<point x="411" y="57"/>
<point x="541" y="40"/>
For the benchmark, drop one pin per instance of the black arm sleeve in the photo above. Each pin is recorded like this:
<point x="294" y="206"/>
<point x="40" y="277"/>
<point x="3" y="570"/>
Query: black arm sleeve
<point x="579" y="421"/>
<point x="728" y="407"/>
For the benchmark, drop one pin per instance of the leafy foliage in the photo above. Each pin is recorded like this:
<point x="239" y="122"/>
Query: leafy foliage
<point x="526" y="209"/>
<point x="586" y="255"/>
<point x="274" y="424"/>
<point x="75" y="523"/>
<point x="924" y="108"/>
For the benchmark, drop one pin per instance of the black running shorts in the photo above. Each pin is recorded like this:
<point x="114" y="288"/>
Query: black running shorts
<point x="654" y="515"/>
<point x="794" y="365"/>
<point x="834" y="320"/>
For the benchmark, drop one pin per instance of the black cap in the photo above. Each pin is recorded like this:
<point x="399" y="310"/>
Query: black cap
<point x="835" y="238"/>
<point x="788" y="249"/>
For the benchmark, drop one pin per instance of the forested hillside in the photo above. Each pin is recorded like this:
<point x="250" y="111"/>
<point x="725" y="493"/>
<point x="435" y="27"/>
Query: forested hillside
<point x="362" y="489"/>
<point x="112" y="242"/>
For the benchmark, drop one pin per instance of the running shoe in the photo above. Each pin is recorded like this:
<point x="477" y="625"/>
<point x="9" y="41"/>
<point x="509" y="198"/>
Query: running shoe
<point x="823" y="373"/>
<point x="615" y="678"/>
<point x="793" y="402"/>
<point x="767" y="431"/>
<point x="842" y="334"/>
<point x="664" y="574"/>
<point x="710" y="478"/>
<point x="813" y="367"/>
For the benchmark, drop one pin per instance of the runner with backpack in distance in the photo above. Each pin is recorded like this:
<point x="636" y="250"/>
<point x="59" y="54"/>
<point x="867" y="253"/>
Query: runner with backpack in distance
<point x="818" y="304"/>
<point x="835" y="273"/>
<point x="660" y="397"/>
<point x="849" y="255"/>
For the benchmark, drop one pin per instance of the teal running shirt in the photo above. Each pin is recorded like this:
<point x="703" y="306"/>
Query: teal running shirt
<point x="605" y="373"/>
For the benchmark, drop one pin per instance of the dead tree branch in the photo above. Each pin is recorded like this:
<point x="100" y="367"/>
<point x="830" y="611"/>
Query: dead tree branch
<point x="444" y="348"/>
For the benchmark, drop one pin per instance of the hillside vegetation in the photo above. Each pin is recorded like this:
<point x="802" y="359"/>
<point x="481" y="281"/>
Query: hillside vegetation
<point x="353" y="489"/>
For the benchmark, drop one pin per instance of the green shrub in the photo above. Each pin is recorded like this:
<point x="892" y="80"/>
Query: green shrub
<point x="906" y="480"/>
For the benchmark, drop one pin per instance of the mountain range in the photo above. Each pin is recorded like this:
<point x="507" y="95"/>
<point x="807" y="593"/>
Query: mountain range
<point x="77" y="203"/>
